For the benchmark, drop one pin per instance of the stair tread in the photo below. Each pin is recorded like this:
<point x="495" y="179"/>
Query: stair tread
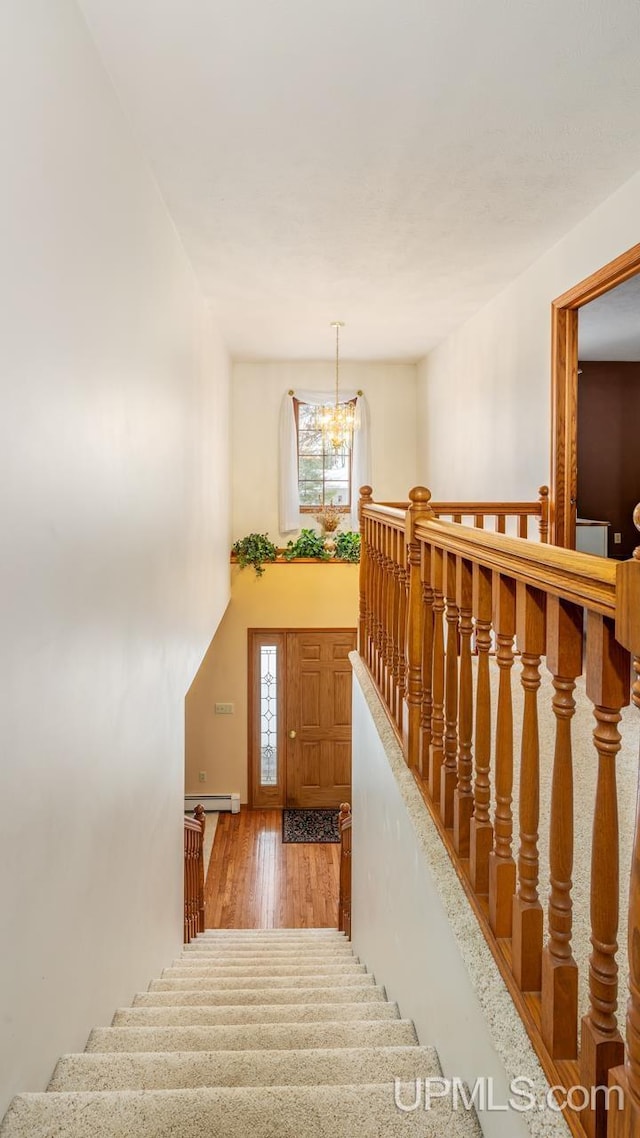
<point x="219" y="983"/>
<point x="273" y="1036"/>
<point x="172" y="1070"/>
<point x="187" y="968"/>
<point x="189" y="1016"/>
<point x="198" y="997"/>
<point x="366" y="1110"/>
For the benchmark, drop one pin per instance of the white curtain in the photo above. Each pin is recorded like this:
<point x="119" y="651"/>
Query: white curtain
<point x="288" y="500"/>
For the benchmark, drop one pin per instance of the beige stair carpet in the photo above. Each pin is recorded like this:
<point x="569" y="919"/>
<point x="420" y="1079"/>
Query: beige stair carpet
<point x="278" y="1034"/>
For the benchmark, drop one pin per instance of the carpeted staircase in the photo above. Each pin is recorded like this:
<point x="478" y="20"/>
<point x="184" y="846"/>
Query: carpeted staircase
<point x="250" y="1034"/>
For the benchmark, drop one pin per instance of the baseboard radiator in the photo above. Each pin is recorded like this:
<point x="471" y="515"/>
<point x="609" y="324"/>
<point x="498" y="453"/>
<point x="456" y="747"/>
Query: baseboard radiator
<point x="212" y="802"/>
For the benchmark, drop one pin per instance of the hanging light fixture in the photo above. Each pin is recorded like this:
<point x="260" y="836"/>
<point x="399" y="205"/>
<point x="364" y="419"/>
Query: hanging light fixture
<point x="337" y="420"/>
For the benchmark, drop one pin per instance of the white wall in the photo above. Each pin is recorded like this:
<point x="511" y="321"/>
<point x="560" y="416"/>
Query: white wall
<point x="114" y="568"/>
<point x="414" y="928"/>
<point x="484" y="398"/>
<point x="257" y="391"/>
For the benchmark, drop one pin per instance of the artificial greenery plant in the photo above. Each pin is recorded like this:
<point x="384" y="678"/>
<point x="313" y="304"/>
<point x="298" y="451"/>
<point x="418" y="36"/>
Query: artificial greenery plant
<point x="348" y="546"/>
<point x="255" y="549"/>
<point x="309" y="544"/>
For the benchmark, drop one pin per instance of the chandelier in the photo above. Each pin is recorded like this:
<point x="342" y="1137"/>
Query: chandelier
<point x="337" y="420"/>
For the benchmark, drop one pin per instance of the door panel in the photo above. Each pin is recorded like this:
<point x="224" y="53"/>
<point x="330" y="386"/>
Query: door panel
<point x="318" y="710"/>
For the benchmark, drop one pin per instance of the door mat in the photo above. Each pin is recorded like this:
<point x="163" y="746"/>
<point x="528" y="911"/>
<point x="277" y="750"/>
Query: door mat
<point x="310" y="826"/>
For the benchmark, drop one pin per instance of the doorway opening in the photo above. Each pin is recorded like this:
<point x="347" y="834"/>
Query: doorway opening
<point x="564" y="389"/>
<point x="299" y="729"/>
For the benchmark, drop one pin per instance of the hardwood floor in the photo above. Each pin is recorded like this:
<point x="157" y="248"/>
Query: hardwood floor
<point x="254" y="881"/>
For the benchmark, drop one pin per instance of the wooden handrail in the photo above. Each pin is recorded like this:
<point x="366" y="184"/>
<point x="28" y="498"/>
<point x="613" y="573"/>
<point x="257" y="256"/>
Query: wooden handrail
<point x="344" y="903"/>
<point x="432" y="591"/>
<point x="194" y="829"/>
<point x="500" y="511"/>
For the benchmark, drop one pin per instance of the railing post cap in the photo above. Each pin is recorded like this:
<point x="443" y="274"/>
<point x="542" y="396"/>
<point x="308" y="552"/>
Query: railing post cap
<point x="420" y="495"/>
<point x="544" y="491"/>
<point x="366" y="491"/>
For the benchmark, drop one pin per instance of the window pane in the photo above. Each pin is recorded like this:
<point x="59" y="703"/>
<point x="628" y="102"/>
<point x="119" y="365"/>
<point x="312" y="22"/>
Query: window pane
<point x="268" y="715"/>
<point x="307" y="416"/>
<point x="310" y="493"/>
<point x="336" y="493"/>
<point x="310" y="442"/>
<point x="310" y="468"/>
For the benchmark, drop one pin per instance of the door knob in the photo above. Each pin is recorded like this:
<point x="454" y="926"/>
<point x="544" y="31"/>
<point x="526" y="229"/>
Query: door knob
<point x="292" y="734"/>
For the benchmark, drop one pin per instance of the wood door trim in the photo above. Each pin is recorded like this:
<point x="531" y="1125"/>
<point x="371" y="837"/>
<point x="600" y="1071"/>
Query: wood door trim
<point x="564" y="388"/>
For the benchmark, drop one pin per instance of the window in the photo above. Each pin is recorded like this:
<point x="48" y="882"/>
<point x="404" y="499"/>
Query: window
<point x="324" y="474"/>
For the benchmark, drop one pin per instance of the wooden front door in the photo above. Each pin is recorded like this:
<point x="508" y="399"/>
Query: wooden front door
<point x="300" y="717"/>
<point x="318" y="718"/>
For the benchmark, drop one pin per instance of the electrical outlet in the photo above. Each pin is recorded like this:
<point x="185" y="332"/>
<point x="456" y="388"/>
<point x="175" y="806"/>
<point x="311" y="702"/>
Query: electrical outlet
<point x="202" y="776"/>
<point x="617" y="539"/>
<point x="224" y="709"/>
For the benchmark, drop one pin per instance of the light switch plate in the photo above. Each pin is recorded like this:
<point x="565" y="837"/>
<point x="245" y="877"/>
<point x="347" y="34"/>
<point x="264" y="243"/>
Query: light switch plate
<point x="224" y="708"/>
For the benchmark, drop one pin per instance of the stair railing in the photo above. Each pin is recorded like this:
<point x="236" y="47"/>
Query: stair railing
<point x="194" y="829"/>
<point x="437" y="599"/>
<point x="344" y="902"/>
<point x="505" y="515"/>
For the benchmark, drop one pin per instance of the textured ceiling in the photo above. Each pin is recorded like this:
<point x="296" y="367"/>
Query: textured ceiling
<point x="390" y="163"/>
<point x="609" y="327"/>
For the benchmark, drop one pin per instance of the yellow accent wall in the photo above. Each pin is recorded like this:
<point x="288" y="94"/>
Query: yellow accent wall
<point x="286" y="596"/>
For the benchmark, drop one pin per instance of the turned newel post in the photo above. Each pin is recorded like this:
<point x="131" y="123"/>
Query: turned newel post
<point x="543" y="524"/>
<point x="419" y="510"/>
<point x="366" y="498"/>
<point x="624" y="1117"/>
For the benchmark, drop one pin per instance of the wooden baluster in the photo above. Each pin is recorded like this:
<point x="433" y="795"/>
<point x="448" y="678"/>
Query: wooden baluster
<point x="481" y="833"/>
<point x="201" y="817"/>
<point x="526" y="949"/>
<point x="427" y="658"/>
<point x="185" y="934"/>
<point x="393" y="602"/>
<point x="374" y="569"/>
<point x="463" y="796"/>
<point x="523" y="526"/>
<point x="385" y="631"/>
<point x="366" y="498"/>
<point x="449" y="772"/>
<point x="501" y="523"/>
<point x="624" y="1108"/>
<point x="559" y="969"/>
<point x="479" y="521"/>
<point x="601" y="1046"/>
<point x="502" y="867"/>
<point x="344" y="902"/>
<point x="386" y="642"/>
<point x="403" y="590"/>
<point x="371" y="612"/>
<point x="436" y="754"/>
<point x="543" y="498"/>
<point x="418" y="511"/>
<point x="457" y="518"/>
